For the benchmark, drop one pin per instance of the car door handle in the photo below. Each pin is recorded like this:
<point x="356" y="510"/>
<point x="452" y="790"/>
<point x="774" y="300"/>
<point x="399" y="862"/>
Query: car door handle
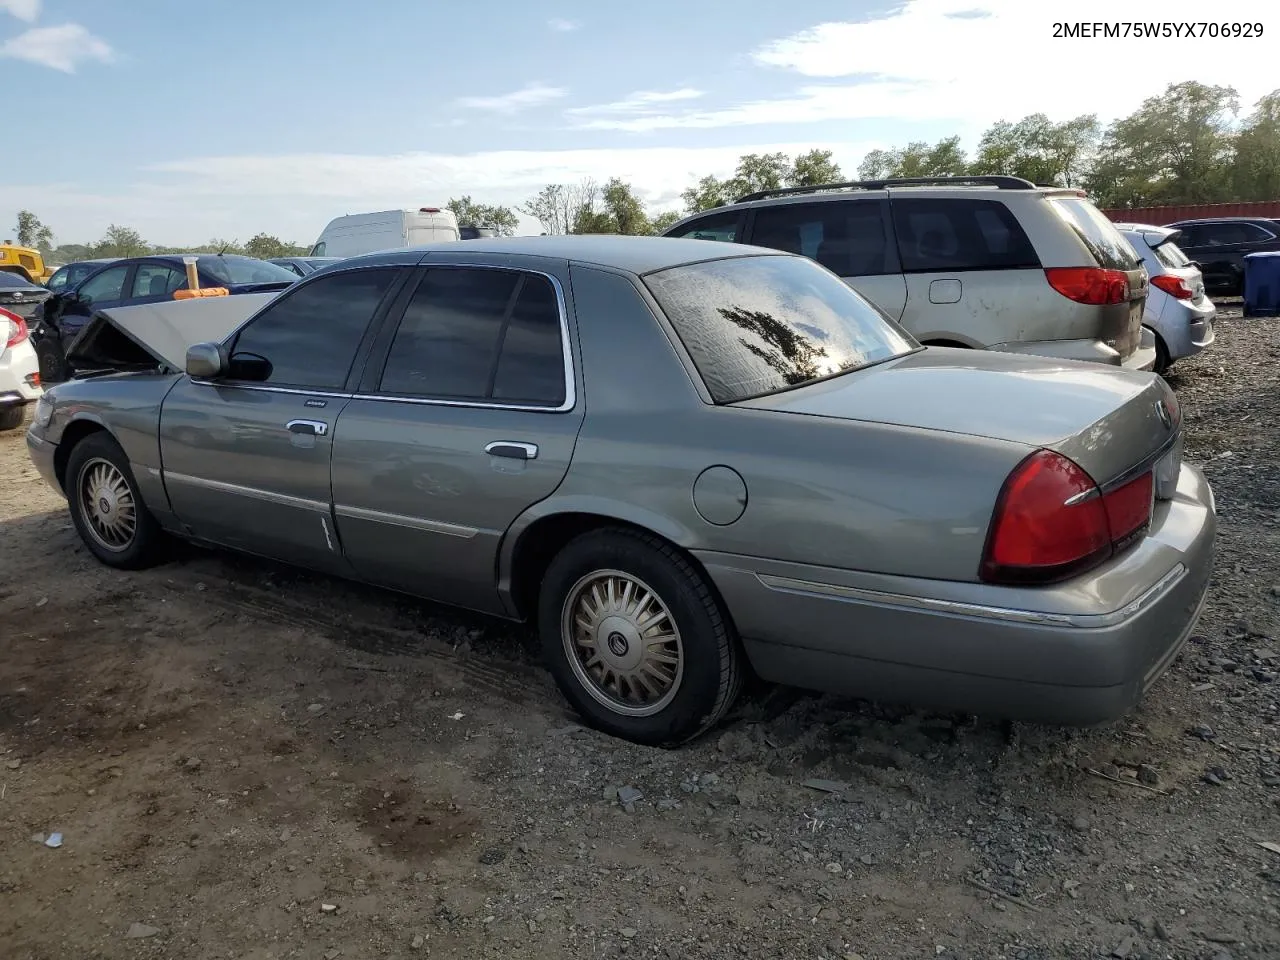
<point x="512" y="450"/>
<point x="315" y="428"/>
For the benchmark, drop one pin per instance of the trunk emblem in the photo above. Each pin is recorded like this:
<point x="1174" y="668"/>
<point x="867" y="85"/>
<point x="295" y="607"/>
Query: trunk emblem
<point x="1162" y="411"/>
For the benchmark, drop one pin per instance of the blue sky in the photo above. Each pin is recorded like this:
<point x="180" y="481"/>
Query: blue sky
<point x="250" y="115"/>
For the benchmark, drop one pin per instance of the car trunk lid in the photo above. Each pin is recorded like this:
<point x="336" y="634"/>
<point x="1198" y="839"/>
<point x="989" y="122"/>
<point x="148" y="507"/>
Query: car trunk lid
<point x="1106" y="420"/>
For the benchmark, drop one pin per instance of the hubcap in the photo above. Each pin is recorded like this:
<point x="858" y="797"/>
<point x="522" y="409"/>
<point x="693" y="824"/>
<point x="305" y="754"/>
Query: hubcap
<point x="622" y="643"/>
<point x="108" y="505"/>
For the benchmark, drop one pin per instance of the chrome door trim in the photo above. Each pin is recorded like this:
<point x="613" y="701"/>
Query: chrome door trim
<point x="318" y="427"/>
<point x="530" y="449"/>
<point x="269" y="496"/>
<point x="412" y="523"/>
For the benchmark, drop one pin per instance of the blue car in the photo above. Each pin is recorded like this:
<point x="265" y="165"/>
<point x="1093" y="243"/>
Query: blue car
<point x="134" y="280"/>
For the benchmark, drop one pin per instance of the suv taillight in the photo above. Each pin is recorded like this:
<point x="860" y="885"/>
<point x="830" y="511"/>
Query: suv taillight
<point x="1052" y="522"/>
<point x="1091" y="285"/>
<point x="16" y="328"/>
<point x="1173" y="286"/>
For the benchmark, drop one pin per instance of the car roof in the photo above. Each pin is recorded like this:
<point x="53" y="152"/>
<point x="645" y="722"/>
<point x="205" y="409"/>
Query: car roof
<point x="639" y="255"/>
<point x="1268" y="220"/>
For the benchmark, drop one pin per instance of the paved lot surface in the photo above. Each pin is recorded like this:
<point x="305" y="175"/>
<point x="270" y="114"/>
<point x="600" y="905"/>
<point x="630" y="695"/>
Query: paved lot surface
<point x="249" y="762"/>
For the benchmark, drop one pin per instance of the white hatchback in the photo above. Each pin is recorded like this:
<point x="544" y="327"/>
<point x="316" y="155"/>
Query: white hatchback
<point x="19" y="371"/>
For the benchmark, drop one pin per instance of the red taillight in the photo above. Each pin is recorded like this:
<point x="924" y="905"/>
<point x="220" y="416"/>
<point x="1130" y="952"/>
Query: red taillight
<point x="1173" y="286"/>
<point x="1051" y="521"/>
<point x="1091" y="285"/>
<point x="16" y="328"/>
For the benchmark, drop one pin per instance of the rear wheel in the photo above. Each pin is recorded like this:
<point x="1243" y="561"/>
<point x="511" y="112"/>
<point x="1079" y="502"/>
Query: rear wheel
<point x="636" y="639"/>
<point x="1163" y="363"/>
<point x="106" y="509"/>
<point x="11" y="417"/>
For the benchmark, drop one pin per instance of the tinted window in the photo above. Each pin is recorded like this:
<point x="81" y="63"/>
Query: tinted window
<point x="157" y="280"/>
<point x="717" y="226"/>
<point x="105" y="286"/>
<point x="756" y="325"/>
<point x="1171" y="255"/>
<point x="474" y="334"/>
<point x="237" y="270"/>
<point x="1098" y="234"/>
<point x="848" y="238"/>
<point x="1192" y="235"/>
<point x="310" y="336"/>
<point x="14" y="280"/>
<point x="943" y="236"/>
<point x="1222" y="234"/>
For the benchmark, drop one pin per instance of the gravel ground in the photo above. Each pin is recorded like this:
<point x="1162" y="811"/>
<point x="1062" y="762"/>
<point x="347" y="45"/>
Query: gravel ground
<point x="248" y="762"/>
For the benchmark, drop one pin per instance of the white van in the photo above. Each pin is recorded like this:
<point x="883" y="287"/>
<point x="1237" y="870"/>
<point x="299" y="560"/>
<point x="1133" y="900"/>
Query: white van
<point x="360" y="233"/>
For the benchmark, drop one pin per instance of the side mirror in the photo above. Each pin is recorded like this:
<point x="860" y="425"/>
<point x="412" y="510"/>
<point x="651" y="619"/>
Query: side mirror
<point x="206" y="361"/>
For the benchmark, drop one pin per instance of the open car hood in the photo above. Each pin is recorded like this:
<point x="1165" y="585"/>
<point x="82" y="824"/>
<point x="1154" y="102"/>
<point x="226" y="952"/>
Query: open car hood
<point x="148" y="335"/>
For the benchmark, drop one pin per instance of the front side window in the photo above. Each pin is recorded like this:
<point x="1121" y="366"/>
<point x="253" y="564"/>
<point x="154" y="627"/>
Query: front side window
<point x="846" y="237"/>
<point x="104" y="287"/>
<point x="309" y="338"/>
<point x="760" y="325"/>
<point x="479" y="335"/>
<point x="717" y="226"/>
<point x="948" y="235"/>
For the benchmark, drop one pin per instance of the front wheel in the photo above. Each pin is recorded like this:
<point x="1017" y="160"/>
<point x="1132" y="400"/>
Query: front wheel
<point x="636" y="639"/>
<point x="106" y="509"/>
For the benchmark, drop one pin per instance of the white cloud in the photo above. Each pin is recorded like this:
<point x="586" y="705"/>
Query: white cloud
<point x="293" y="196"/>
<point x="640" y="101"/>
<point x="971" y="62"/>
<point x="58" y="47"/>
<point x="556" y="24"/>
<point x="26" y="10"/>
<point x="530" y="95"/>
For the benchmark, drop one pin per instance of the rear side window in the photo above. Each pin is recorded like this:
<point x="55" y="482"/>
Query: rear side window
<point x="937" y="235"/>
<point x="846" y="237"/>
<point x="479" y="334"/>
<point x="310" y="337"/>
<point x="718" y="226"/>
<point x="1099" y="235"/>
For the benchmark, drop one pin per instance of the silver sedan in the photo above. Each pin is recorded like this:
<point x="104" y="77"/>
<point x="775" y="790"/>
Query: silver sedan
<point x="1178" y="311"/>
<point x="679" y="460"/>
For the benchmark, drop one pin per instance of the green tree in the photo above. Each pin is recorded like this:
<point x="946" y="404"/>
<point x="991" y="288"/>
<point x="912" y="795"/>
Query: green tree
<point x="1255" y="169"/>
<point x="625" y="209"/>
<point x="916" y="159"/>
<point x="813" y="168"/>
<point x="559" y="207"/>
<point x="660" y="222"/>
<point x="707" y="193"/>
<point x="469" y="213"/>
<point x="120" y="242"/>
<point x="32" y="233"/>
<point x="264" y="247"/>
<point x="1175" y="148"/>
<point x="1038" y="150"/>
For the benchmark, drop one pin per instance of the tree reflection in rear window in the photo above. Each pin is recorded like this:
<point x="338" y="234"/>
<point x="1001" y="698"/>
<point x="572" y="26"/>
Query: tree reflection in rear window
<point x="759" y="325"/>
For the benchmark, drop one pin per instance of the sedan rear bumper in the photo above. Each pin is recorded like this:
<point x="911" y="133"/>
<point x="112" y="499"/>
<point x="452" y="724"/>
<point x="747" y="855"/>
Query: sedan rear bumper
<point x="1090" y="351"/>
<point x="1048" y="655"/>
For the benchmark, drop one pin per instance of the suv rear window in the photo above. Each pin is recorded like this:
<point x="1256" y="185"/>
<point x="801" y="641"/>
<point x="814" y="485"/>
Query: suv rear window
<point x="945" y="235"/>
<point x="760" y="325"/>
<point x="1099" y="234"/>
<point x="718" y="226"/>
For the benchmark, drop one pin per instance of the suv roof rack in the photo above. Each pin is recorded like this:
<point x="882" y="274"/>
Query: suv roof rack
<point x="1000" y="182"/>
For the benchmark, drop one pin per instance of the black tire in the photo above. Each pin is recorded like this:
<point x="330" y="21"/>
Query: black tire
<point x="53" y="364"/>
<point x="145" y="546"/>
<point x="1163" y="363"/>
<point x="11" y="417"/>
<point x="710" y="669"/>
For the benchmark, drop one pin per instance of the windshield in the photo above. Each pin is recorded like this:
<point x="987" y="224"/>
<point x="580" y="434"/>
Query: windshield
<point x="759" y="325"/>
<point x="1171" y="255"/>
<point x="1099" y="234"/>
<point x="8" y="279"/>
<point x="237" y="270"/>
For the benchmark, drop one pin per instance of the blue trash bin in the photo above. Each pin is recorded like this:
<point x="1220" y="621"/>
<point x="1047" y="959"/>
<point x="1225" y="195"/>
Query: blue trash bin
<point x="1262" y="284"/>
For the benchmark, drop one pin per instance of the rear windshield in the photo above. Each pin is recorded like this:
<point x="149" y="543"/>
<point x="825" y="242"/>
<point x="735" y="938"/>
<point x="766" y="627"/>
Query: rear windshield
<point x="8" y="279"/>
<point x="760" y="325"/>
<point x="1099" y="234"/>
<point x="1171" y="255"/>
<point x="237" y="270"/>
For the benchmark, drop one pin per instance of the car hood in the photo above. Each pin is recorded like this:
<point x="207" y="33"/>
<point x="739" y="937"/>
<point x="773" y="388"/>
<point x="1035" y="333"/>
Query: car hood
<point x="148" y="334"/>
<point x="1103" y="417"/>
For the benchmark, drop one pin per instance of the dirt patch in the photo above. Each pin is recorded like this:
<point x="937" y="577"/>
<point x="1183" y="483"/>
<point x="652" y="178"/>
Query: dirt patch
<point x="247" y="761"/>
